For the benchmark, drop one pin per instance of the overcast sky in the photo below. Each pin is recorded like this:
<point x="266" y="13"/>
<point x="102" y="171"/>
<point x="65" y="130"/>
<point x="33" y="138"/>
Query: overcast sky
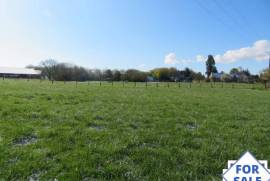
<point x="136" y="33"/>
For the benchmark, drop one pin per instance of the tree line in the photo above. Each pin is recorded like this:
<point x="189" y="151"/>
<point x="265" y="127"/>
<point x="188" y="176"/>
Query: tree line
<point x="54" y="70"/>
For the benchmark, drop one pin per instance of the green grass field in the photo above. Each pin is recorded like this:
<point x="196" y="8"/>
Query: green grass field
<point x="89" y="132"/>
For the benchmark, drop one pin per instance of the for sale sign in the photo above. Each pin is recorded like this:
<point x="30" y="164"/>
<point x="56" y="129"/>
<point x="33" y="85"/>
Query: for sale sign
<point x="247" y="168"/>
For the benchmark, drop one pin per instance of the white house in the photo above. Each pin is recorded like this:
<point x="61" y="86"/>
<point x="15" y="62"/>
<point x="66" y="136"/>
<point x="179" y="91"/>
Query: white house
<point x="217" y="75"/>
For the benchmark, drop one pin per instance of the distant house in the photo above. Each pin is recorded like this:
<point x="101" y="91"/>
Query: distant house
<point x="240" y="77"/>
<point x="217" y="75"/>
<point x="19" y="72"/>
<point x="150" y="79"/>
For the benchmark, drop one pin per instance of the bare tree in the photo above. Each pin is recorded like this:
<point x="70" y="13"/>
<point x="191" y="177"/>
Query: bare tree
<point x="49" y="68"/>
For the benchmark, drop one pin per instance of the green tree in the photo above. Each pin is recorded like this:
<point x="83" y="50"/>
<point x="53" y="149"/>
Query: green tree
<point x="135" y="75"/>
<point x="107" y="75"/>
<point x="234" y="71"/>
<point x="210" y="66"/>
<point x="172" y="74"/>
<point x="116" y="75"/>
<point x="161" y="74"/>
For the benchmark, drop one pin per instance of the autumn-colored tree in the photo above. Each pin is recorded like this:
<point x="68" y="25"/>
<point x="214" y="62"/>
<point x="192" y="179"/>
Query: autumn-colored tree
<point x="265" y="75"/>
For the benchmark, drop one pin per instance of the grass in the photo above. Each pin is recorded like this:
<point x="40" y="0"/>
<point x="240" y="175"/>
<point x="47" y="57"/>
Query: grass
<point x="89" y="132"/>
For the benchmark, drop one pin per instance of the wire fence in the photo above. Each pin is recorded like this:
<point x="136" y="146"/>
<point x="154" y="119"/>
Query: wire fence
<point x="201" y="84"/>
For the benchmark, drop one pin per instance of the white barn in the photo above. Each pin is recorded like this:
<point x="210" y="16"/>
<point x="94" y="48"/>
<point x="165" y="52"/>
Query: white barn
<point x="19" y="72"/>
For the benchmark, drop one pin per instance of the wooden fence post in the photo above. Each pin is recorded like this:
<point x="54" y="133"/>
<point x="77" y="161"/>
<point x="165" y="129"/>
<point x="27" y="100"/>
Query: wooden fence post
<point x="100" y="78"/>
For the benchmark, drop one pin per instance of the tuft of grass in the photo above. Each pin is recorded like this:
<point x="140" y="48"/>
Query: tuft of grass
<point x="93" y="132"/>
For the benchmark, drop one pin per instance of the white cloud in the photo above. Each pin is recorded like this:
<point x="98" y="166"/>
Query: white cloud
<point x="170" y="59"/>
<point x="258" y="51"/>
<point x="201" y="58"/>
<point x="142" y="67"/>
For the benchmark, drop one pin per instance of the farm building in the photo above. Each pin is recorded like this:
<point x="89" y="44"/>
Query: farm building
<point x="19" y="72"/>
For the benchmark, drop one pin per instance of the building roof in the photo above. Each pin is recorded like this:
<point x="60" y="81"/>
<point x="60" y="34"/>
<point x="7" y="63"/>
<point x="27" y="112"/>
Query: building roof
<point x="19" y="71"/>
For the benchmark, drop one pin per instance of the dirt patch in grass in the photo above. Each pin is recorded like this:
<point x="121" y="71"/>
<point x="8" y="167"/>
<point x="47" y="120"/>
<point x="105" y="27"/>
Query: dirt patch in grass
<point x="25" y="140"/>
<point x="98" y="117"/>
<point x="13" y="160"/>
<point x="96" y="126"/>
<point x="133" y="126"/>
<point x="36" y="175"/>
<point x="191" y="126"/>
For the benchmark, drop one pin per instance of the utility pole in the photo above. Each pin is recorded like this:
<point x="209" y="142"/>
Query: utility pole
<point x="268" y="53"/>
<point x="269" y="61"/>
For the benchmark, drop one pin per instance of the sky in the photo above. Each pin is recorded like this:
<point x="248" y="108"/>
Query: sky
<point x="122" y="34"/>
